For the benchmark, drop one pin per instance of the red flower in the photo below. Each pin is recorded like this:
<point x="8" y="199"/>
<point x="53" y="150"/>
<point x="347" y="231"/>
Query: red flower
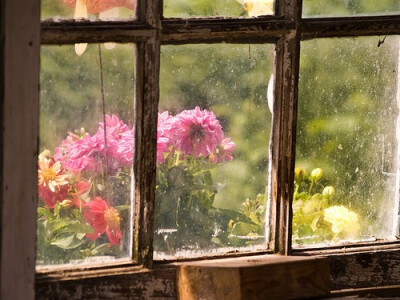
<point x="80" y="188"/>
<point x="98" y="6"/>
<point x="103" y="218"/>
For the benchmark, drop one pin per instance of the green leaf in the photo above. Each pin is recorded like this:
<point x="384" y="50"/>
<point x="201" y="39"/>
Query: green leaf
<point x="80" y="236"/>
<point x="79" y="228"/>
<point x="304" y="230"/>
<point x="243" y="229"/>
<point x="101" y="249"/>
<point x="67" y="242"/>
<point x="57" y="224"/>
<point x="122" y="207"/>
<point x="233" y="215"/>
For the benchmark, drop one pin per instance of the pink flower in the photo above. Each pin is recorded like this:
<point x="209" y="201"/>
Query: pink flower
<point x="103" y="218"/>
<point x="98" y="6"/>
<point x="224" y="152"/>
<point x="120" y="142"/>
<point x="165" y="135"/>
<point x="120" y="151"/>
<point x="78" y="155"/>
<point x="197" y="132"/>
<point x="90" y="152"/>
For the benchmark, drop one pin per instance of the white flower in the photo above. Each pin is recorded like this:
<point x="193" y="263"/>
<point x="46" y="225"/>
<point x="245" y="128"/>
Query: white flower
<point x="256" y="8"/>
<point x="343" y="220"/>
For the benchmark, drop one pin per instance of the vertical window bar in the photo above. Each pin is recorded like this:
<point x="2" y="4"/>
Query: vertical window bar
<point x="396" y="218"/>
<point x="282" y="149"/>
<point x="146" y="110"/>
<point x="19" y="59"/>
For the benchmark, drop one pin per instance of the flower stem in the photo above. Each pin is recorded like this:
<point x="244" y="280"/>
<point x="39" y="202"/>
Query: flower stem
<point x="104" y="119"/>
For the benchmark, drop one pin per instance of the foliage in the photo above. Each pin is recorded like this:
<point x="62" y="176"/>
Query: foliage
<point x="316" y="218"/>
<point x="344" y="84"/>
<point x="84" y="191"/>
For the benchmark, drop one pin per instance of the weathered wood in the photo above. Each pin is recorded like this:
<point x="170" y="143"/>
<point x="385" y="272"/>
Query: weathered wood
<point x="72" y="31"/>
<point x="380" y="270"/>
<point x="260" y="277"/>
<point x="146" y="112"/>
<point x="264" y="29"/>
<point x="145" y="284"/>
<point x="283" y="138"/>
<point x="20" y="44"/>
<point x="212" y="30"/>
<point x="365" y="269"/>
<point x="379" y="245"/>
<point x="350" y="26"/>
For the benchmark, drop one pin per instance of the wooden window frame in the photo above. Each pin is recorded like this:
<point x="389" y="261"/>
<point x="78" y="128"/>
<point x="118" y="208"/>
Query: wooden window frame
<point x="22" y="33"/>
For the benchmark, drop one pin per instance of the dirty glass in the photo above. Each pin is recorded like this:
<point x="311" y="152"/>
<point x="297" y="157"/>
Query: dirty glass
<point x="211" y="8"/>
<point x="85" y="175"/>
<point x="213" y="137"/>
<point x="88" y="9"/>
<point x="341" y="8"/>
<point x="346" y="177"/>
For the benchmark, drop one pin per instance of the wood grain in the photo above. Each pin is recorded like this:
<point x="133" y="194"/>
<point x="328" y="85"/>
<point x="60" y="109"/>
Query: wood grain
<point x="283" y="137"/>
<point x="20" y="43"/>
<point x="271" y="277"/>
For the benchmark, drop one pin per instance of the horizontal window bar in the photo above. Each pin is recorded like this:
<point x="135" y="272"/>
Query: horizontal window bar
<point x="350" y="26"/>
<point x="71" y="31"/>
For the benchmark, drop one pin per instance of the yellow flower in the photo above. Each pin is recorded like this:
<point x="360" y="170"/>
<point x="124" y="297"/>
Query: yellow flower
<point x="343" y="220"/>
<point x="256" y="8"/>
<point x="50" y="173"/>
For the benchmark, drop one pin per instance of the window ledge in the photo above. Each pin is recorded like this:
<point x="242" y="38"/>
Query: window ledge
<point x="272" y="277"/>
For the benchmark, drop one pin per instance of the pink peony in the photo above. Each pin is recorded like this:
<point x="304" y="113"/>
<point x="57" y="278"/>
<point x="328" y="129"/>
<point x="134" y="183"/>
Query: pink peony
<point x="224" y="152"/>
<point x="165" y="135"/>
<point x="103" y="218"/>
<point x="197" y="132"/>
<point x="98" y="6"/>
<point x="90" y="152"/>
<point x="78" y="155"/>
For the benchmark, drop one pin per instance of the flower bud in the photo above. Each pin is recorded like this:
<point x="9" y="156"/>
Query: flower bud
<point x="299" y="174"/>
<point x="45" y="154"/>
<point x="316" y="174"/>
<point x="329" y="191"/>
<point x="230" y="224"/>
<point x="66" y="203"/>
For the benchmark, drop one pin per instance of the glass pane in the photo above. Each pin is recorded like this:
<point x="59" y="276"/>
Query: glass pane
<point x="211" y="8"/>
<point x="85" y="168"/>
<point x="346" y="173"/>
<point x="213" y="127"/>
<point x="88" y="9"/>
<point x="341" y="8"/>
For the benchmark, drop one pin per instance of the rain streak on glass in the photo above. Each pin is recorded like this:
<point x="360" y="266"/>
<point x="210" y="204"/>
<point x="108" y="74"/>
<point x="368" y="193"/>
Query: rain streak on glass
<point x="342" y="8"/>
<point x="86" y="155"/>
<point x="212" y="8"/>
<point x="346" y="183"/>
<point x="213" y="137"/>
<point x="89" y="9"/>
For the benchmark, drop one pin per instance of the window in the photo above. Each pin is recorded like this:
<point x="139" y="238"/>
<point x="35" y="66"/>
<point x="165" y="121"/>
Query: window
<point x="155" y="40"/>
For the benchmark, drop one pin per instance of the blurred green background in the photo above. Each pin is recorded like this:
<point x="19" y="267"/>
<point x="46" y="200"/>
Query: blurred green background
<point x="347" y="102"/>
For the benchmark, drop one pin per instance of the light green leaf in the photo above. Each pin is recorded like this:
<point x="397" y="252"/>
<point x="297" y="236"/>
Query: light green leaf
<point x="67" y="242"/>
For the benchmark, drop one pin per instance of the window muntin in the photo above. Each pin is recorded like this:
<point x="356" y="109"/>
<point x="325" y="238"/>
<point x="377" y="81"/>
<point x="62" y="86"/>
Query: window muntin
<point x="218" y="200"/>
<point x="225" y="8"/>
<point x="346" y="130"/>
<point x="85" y="168"/>
<point x="334" y="8"/>
<point x="227" y="36"/>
